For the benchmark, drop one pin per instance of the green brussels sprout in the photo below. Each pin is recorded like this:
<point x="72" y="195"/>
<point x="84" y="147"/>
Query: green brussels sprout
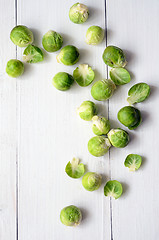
<point x="91" y="181"/>
<point x="71" y="216"/>
<point x="87" y="110"/>
<point x="21" y="36"/>
<point x="133" y="162"/>
<point x="33" y="54"/>
<point x="14" y="68"/>
<point x="69" y="55"/>
<point x="130" y="117"/>
<point x="94" y="35"/>
<point x="83" y="75"/>
<point x="75" y="169"/>
<point x="138" y="93"/>
<point x="52" y="41"/>
<point x="62" y="81"/>
<point x="103" y="89"/>
<point x="78" y="13"/>
<point x="118" y="138"/>
<point x="119" y="76"/>
<point x="100" y="125"/>
<point x="114" y="57"/>
<point x="98" y="146"/>
<point x="113" y="189"/>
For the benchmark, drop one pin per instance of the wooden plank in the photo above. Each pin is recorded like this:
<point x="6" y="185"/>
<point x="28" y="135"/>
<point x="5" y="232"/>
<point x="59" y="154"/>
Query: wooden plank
<point x="8" y="126"/>
<point x="51" y="133"/>
<point x="133" y="26"/>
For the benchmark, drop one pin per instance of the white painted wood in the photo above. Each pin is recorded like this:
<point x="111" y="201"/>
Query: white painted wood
<point x="51" y="133"/>
<point x="133" y="26"/>
<point x="8" y="126"/>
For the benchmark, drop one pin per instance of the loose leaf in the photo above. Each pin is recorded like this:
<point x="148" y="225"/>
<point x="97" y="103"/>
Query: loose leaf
<point x="138" y="93"/>
<point x="113" y="188"/>
<point x="133" y="162"/>
<point x="119" y="76"/>
<point x="74" y="169"/>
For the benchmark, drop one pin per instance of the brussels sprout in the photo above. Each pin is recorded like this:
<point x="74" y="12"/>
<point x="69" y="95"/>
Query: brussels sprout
<point x="33" y="54"/>
<point x="91" y="181"/>
<point x="119" y="76"/>
<point x="138" y="93"/>
<point x="21" y="36"/>
<point x="100" y="125"/>
<point x="52" y="41"/>
<point x="71" y="216"/>
<point x="114" y="57"/>
<point x="83" y="75"/>
<point x="133" y="162"/>
<point x="78" y="13"/>
<point x="62" y="81"/>
<point x="103" y="89"/>
<point x="130" y="117"/>
<point x="75" y="169"/>
<point x="94" y="35"/>
<point x="118" y="138"/>
<point x="87" y="110"/>
<point x="98" y="146"/>
<point x="113" y="189"/>
<point x="14" y="68"/>
<point x="68" y="55"/>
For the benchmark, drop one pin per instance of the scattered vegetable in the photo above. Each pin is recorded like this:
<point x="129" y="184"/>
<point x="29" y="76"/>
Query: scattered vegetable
<point x="21" y="36"/>
<point x="119" y="76"/>
<point x="33" y="54"/>
<point x="71" y="216"/>
<point x="103" y="89"/>
<point x="130" y="117"/>
<point x="52" y="41"/>
<point x="138" y="93"/>
<point x="91" y="181"/>
<point x="74" y="169"/>
<point x="87" y="110"/>
<point x="114" y="57"/>
<point x="133" y="162"/>
<point x="83" y="75"/>
<point x="68" y="55"/>
<point x="14" y="68"/>
<point x="98" y="146"/>
<point x="62" y="81"/>
<point x="100" y="125"/>
<point x="118" y="138"/>
<point x="113" y="189"/>
<point x="94" y="35"/>
<point x="78" y="13"/>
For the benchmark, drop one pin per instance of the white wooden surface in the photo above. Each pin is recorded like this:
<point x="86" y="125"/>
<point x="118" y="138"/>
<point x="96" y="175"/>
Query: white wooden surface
<point x="40" y="131"/>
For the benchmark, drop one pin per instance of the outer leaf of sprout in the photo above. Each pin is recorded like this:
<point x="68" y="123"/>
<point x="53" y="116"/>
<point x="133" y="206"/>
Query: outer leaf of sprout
<point x="91" y="181"/>
<point x="100" y="125"/>
<point x="74" y="169"/>
<point x="138" y="93"/>
<point x="119" y="76"/>
<point x="94" y="35"/>
<point x="98" y="146"/>
<point x="83" y="75"/>
<point x="71" y="216"/>
<point x="113" y="189"/>
<point x="33" y="54"/>
<point x="133" y="162"/>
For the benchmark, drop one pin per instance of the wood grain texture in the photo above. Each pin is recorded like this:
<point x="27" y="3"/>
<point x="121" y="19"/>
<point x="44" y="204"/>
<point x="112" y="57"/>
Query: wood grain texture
<point x="8" y="126"/>
<point x="133" y="26"/>
<point x="51" y="133"/>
